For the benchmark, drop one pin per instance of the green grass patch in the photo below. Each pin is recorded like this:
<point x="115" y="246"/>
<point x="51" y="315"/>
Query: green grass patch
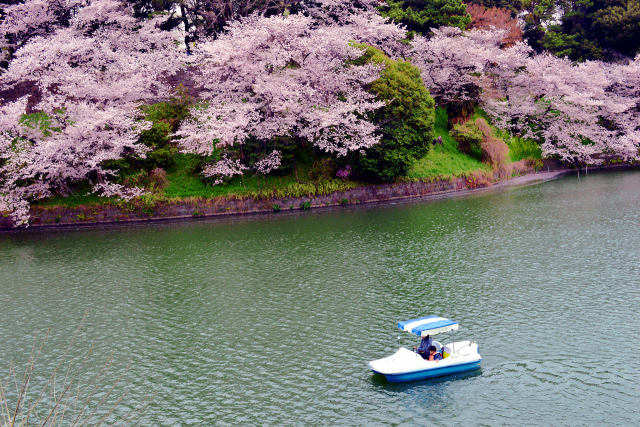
<point x="521" y="148"/>
<point x="78" y="197"/>
<point x="183" y="183"/>
<point x="444" y="161"/>
<point x="74" y="200"/>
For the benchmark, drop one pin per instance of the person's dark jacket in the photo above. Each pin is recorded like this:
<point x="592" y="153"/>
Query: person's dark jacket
<point x="424" y="345"/>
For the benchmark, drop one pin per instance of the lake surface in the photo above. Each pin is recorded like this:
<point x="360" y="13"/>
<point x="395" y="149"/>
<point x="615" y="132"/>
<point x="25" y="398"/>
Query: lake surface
<point x="271" y="320"/>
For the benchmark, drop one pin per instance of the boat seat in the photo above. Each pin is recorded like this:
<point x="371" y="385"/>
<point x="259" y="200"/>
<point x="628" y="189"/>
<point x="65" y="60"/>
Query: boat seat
<point x="446" y="351"/>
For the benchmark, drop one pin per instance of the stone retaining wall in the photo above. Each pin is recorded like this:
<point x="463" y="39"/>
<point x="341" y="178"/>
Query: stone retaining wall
<point x="193" y="208"/>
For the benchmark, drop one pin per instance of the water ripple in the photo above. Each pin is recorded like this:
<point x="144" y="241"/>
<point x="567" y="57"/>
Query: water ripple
<point x="271" y="321"/>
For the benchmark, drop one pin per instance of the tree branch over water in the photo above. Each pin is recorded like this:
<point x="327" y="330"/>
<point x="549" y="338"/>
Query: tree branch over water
<point x="54" y="403"/>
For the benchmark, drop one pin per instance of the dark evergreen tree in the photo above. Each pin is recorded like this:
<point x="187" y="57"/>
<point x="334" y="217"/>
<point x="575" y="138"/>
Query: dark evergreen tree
<point x="422" y="15"/>
<point x="588" y="29"/>
<point x="513" y="5"/>
<point x="406" y="122"/>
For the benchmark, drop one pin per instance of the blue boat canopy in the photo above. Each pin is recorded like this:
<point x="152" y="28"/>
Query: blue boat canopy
<point x="429" y="325"/>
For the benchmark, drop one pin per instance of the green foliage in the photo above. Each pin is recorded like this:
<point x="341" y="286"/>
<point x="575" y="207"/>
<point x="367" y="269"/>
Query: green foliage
<point x="276" y="207"/>
<point x="618" y="26"/>
<point x="444" y="161"/>
<point x="165" y="118"/>
<point x="588" y="29"/>
<point x="521" y="148"/>
<point x="79" y="194"/>
<point x="73" y="200"/>
<point x="574" y="46"/>
<point x="137" y="178"/>
<point x="305" y="206"/>
<point x="164" y="158"/>
<point x="158" y="136"/>
<point x="406" y="122"/>
<point x="300" y="189"/>
<point x="513" y="5"/>
<point x="184" y="179"/>
<point x="538" y="165"/>
<point x="173" y="111"/>
<point x="469" y="138"/>
<point x="537" y="14"/>
<point x="185" y="182"/>
<point x="148" y="204"/>
<point x="38" y="120"/>
<point x="324" y="168"/>
<point x="423" y="15"/>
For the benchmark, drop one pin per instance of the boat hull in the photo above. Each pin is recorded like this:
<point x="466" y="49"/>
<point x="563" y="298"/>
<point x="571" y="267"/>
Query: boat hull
<point x="405" y="365"/>
<point x="431" y="373"/>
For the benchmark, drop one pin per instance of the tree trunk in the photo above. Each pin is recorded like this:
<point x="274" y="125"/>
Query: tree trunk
<point x="187" y="27"/>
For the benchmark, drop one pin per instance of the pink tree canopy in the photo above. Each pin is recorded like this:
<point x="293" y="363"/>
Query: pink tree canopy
<point x="23" y="21"/>
<point x="286" y="76"/>
<point x="574" y="109"/>
<point x="578" y="112"/>
<point x="91" y="78"/>
<point x="456" y="65"/>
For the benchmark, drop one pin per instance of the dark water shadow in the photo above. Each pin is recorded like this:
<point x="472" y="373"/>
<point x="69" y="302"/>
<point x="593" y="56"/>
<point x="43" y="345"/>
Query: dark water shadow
<point x="379" y="381"/>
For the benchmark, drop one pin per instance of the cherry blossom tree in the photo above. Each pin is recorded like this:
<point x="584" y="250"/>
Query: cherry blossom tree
<point x="455" y="65"/>
<point x="91" y="78"/>
<point x="286" y="76"/>
<point x="573" y="109"/>
<point x="577" y="112"/>
<point x="23" y="21"/>
<point x="269" y="163"/>
<point x="225" y="168"/>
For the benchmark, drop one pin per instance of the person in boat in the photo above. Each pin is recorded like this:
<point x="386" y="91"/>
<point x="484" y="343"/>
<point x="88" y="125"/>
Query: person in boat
<point x="423" y="349"/>
<point x="433" y="354"/>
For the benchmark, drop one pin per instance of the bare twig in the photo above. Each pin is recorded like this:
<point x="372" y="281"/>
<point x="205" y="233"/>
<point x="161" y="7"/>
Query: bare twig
<point x="79" y="405"/>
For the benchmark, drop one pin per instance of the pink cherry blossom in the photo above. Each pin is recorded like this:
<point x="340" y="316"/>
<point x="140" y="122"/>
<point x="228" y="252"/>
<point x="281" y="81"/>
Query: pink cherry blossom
<point x="285" y="76"/>
<point x="225" y="168"/>
<point x="578" y="112"/>
<point x="91" y="76"/>
<point x="269" y="163"/>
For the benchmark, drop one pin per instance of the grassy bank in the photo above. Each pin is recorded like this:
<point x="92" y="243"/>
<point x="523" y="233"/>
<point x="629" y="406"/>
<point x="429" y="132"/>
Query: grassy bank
<point x="442" y="162"/>
<point x="183" y="183"/>
<point x="445" y="161"/>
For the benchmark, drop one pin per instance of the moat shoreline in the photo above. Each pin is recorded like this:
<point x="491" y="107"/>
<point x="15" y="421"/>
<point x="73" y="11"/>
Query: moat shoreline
<point x="86" y="216"/>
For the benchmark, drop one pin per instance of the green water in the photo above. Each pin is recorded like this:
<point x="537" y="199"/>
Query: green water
<point x="271" y="320"/>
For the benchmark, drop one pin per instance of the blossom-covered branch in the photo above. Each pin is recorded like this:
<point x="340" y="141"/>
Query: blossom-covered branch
<point x="91" y="77"/>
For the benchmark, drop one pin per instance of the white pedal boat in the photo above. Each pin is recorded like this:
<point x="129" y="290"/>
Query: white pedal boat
<point x="406" y="365"/>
